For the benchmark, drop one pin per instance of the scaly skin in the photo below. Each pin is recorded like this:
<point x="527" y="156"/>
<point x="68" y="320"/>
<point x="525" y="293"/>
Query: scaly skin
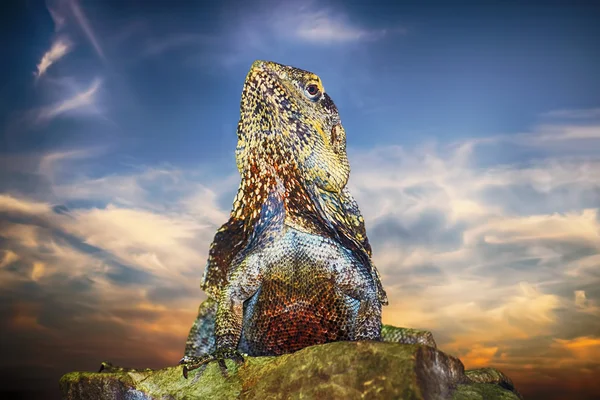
<point x="292" y="266"/>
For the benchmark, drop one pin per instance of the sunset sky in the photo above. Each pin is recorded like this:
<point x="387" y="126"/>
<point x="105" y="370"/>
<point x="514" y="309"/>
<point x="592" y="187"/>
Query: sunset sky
<point x="473" y="136"/>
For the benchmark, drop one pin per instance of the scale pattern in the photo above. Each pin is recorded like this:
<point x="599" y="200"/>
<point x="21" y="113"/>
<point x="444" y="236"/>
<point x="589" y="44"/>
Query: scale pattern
<point x="292" y="265"/>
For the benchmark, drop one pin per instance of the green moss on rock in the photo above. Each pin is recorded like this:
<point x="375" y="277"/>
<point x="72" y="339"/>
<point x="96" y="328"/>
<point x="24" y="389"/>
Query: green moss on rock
<point x="345" y="370"/>
<point x="483" y="391"/>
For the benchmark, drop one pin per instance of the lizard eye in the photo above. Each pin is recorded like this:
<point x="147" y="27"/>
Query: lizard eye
<point x="312" y="91"/>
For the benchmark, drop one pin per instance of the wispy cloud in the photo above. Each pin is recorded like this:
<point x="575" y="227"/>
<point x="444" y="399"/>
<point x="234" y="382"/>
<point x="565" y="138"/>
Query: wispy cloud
<point x="161" y="45"/>
<point x="65" y="13"/>
<point x="267" y="31"/>
<point x="58" y="18"/>
<point x="313" y="23"/>
<point x="48" y="161"/>
<point x="11" y="204"/>
<point x="585" y="113"/>
<point x="60" y="47"/>
<point x="86" y="27"/>
<point x="568" y="132"/>
<point x="82" y="100"/>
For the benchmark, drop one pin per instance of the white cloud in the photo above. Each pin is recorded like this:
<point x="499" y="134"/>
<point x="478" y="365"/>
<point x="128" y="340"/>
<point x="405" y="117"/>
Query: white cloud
<point x="66" y="12"/>
<point x="164" y="245"/>
<point x="312" y="23"/>
<point x="49" y="164"/>
<point x="265" y="31"/>
<point x="168" y="220"/>
<point x="577" y="227"/>
<point x="323" y="27"/>
<point x="60" y="47"/>
<point x="580" y="300"/>
<point x="82" y="101"/>
<point x="9" y="203"/>
<point x="161" y="244"/>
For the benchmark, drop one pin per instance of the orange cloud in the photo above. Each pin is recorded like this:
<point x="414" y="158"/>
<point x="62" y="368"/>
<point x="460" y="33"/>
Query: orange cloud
<point x="583" y="348"/>
<point x="479" y="356"/>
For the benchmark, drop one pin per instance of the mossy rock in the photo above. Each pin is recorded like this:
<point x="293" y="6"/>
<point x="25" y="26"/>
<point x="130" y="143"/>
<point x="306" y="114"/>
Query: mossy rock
<point x="344" y="370"/>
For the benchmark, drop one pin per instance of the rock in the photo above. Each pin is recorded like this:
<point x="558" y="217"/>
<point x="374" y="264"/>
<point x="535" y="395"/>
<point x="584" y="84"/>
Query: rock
<point x="396" y="334"/>
<point x="344" y="370"/>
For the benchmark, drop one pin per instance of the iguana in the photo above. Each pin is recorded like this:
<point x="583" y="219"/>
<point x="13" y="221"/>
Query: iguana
<point x="292" y="267"/>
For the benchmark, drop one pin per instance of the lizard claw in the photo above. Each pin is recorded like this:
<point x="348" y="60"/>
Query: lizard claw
<point x="191" y="363"/>
<point x="110" y="368"/>
<point x="106" y="367"/>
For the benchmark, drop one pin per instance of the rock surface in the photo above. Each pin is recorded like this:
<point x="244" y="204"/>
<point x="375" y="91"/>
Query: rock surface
<point x="340" y="370"/>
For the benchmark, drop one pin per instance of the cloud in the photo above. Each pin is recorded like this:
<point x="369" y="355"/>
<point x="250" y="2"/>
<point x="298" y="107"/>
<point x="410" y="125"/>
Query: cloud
<point x="311" y="23"/>
<point x="585" y="113"/>
<point x="86" y="27"/>
<point x="81" y="101"/>
<point x="58" y="18"/>
<point x="488" y="254"/>
<point x="569" y="132"/>
<point x="580" y="300"/>
<point x="108" y="259"/>
<point x="60" y="47"/>
<point x="11" y="204"/>
<point x="267" y="29"/>
<point x="50" y="163"/>
<point x="152" y="239"/>
<point x="92" y="271"/>
<point x="500" y="260"/>
<point x="8" y="258"/>
<point x="161" y="45"/>
<point x="64" y="12"/>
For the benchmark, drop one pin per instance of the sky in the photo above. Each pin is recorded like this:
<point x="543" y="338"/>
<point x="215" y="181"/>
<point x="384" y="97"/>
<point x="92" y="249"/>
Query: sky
<point x="473" y="134"/>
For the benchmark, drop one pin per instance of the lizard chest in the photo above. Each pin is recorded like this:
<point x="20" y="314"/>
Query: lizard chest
<point x="298" y="303"/>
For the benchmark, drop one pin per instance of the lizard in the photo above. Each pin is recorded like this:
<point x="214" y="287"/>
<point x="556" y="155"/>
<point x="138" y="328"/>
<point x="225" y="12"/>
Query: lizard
<point x="292" y="266"/>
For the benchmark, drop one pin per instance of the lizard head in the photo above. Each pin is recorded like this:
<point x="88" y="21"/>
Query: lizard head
<point x="287" y="118"/>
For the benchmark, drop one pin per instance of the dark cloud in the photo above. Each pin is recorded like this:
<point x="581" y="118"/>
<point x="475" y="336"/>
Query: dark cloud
<point x="572" y="324"/>
<point x="173" y="293"/>
<point x="514" y="261"/>
<point x="124" y="275"/>
<point x="412" y="280"/>
<point x="430" y="229"/>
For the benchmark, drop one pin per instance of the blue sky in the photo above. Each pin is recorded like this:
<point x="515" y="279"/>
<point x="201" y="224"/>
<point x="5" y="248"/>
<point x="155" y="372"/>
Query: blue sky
<point x="473" y="136"/>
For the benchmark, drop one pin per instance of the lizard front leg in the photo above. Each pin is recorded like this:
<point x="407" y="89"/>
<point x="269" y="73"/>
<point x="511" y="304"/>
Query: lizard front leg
<point x="356" y="282"/>
<point x="243" y="283"/>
